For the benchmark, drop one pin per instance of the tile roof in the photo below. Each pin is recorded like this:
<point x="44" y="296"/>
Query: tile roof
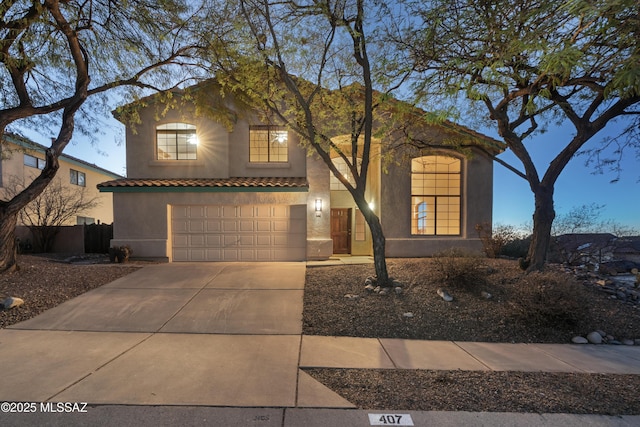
<point x="236" y="182"/>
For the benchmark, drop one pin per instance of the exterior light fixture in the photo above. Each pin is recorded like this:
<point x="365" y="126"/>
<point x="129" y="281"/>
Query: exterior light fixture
<point x="318" y="205"/>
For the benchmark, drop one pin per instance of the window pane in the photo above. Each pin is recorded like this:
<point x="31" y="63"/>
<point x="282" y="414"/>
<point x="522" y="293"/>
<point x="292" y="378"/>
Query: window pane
<point x="30" y="161"/>
<point x="176" y="141"/>
<point x="435" y="189"/>
<point x="268" y="144"/>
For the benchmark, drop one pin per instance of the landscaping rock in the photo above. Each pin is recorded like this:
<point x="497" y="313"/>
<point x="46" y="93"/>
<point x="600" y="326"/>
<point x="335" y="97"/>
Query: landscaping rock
<point x="370" y="288"/>
<point x="408" y="314"/>
<point x="398" y="290"/>
<point x="352" y="296"/>
<point x="12" y="302"/>
<point x="384" y="291"/>
<point x="445" y="295"/>
<point x="579" y="340"/>
<point x="627" y="341"/>
<point x="594" y="337"/>
<point x="486" y="295"/>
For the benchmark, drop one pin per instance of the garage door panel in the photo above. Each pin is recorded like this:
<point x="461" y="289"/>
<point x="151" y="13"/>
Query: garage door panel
<point x="197" y="212"/>
<point x="280" y="225"/>
<point x="263" y="211"/>
<point x="248" y="240"/>
<point x="197" y="240"/>
<point x="213" y="226"/>
<point x="247" y="226"/>
<point x="198" y="255"/>
<point x="239" y="233"/>
<point x="230" y="226"/>
<point x="180" y="225"/>
<point x="263" y="226"/>
<point x="245" y="211"/>
<point x="214" y="211"/>
<point x="228" y="212"/>
<point x="214" y="240"/>
<point x="196" y="226"/>
<point x="263" y="240"/>
<point x="281" y="211"/>
<point x="179" y="212"/>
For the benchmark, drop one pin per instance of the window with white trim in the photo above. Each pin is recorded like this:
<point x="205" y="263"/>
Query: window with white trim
<point x="435" y="195"/>
<point x="176" y="141"/>
<point x="268" y="144"/>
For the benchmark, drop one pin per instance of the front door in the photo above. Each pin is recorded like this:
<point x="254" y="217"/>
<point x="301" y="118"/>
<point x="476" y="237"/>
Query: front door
<point x="341" y="230"/>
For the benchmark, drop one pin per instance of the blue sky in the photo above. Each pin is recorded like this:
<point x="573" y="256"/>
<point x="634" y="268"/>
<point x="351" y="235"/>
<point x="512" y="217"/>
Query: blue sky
<point x="513" y="200"/>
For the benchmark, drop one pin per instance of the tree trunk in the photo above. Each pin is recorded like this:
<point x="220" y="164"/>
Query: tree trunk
<point x="543" y="217"/>
<point x="8" y="247"/>
<point x="379" y="257"/>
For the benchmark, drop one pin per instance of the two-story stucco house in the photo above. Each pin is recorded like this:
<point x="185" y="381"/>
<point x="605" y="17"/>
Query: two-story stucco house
<point x="199" y="191"/>
<point x="23" y="160"/>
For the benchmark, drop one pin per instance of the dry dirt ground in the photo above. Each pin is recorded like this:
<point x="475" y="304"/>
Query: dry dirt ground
<point x="549" y="307"/>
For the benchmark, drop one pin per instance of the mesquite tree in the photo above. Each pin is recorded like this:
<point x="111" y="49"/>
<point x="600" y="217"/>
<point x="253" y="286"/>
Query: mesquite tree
<point x="528" y="64"/>
<point x="308" y="65"/>
<point x="56" y="54"/>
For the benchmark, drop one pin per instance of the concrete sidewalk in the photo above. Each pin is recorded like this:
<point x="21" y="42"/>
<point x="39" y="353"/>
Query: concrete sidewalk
<point x="230" y="335"/>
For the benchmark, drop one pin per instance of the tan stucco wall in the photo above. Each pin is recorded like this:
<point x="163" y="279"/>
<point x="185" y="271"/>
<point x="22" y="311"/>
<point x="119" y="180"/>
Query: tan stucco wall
<point x="221" y="154"/>
<point x="477" y="190"/>
<point x="13" y="166"/>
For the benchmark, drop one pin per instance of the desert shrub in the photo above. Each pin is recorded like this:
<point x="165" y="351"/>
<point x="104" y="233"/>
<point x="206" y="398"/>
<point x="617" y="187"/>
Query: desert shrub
<point x="457" y="269"/>
<point x="550" y="300"/>
<point x="503" y="240"/>
<point x="516" y="248"/>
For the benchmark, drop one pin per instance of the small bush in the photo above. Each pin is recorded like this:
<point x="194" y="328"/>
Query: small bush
<point x="550" y="299"/>
<point x="459" y="270"/>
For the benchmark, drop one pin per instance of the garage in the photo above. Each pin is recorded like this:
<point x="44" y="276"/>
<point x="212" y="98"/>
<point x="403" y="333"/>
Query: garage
<point x="238" y="233"/>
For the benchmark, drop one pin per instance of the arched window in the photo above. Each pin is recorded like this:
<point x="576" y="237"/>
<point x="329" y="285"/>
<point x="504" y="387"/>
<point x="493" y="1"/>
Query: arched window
<point x="176" y="141"/>
<point x="435" y="195"/>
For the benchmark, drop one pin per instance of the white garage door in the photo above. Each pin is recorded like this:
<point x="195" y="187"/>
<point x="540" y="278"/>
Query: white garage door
<point x="239" y="233"/>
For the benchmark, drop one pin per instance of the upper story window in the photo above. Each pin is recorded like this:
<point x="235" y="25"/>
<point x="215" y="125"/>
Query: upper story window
<point x="435" y="195"/>
<point x="78" y="178"/>
<point x="342" y="167"/>
<point x="34" y="162"/>
<point x="268" y="144"/>
<point x="176" y="141"/>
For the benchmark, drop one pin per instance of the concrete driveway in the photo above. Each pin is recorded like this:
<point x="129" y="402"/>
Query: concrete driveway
<point x="220" y="334"/>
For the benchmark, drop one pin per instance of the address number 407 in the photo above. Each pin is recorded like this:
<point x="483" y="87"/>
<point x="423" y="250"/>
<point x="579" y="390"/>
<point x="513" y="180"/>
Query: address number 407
<point x="390" y="420"/>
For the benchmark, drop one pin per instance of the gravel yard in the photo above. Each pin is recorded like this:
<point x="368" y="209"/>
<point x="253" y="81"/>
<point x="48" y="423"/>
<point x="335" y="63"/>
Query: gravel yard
<point x="46" y="281"/>
<point x="550" y="307"/>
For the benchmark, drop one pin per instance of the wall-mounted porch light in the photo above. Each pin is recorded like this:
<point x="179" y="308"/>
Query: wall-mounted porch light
<point x="318" y="207"/>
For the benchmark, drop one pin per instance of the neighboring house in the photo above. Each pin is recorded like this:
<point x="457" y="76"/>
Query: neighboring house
<point x="627" y="248"/>
<point x="589" y="248"/>
<point x="199" y="191"/>
<point x="23" y="159"/>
